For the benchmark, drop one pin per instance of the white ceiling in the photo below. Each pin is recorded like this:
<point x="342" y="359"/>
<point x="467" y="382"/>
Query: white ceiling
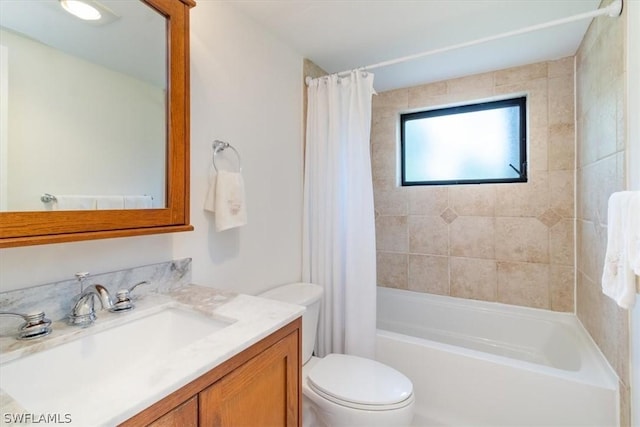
<point x="337" y="35"/>
<point x="342" y="35"/>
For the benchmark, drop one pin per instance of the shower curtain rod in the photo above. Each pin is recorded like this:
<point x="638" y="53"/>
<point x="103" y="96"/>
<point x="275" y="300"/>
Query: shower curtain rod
<point x="613" y="10"/>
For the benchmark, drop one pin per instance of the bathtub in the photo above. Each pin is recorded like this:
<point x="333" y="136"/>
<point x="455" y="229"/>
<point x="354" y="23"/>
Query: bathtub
<point x="477" y="363"/>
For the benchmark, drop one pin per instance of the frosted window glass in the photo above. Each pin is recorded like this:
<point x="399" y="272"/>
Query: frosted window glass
<point x="470" y="144"/>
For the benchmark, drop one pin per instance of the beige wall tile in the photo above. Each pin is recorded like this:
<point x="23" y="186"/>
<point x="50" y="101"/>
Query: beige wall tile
<point x="472" y="237"/>
<point x="428" y="200"/>
<point x="606" y="181"/>
<point x="615" y="341"/>
<point x="561" y="185"/>
<point x="561" y="100"/>
<point x="591" y="250"/>
<point x="600" y="81"/>
<point x="383" y="158"/>
<point x="429" y="274"/>
<point x="474" y="278"/>
<point x="392" y="269"/>
<point x="561" y="243"/>
<point x="389" y="199"/>
<point x="524" y="284"/>
<point x="473" y="200"/>
<point x="625" y="404"/>
<point x="428" y="235"/>
<point x="621" y="98"/>
<point x="477" y="85"/>
<point x="529" y="199"/>
<point x="392" y="234"/>
<point x="561" y="283"/>
<point x="605" y="126"/>
<point x="521" y="74"/>
<point x="398" y="98"/>
<point x="423" y="95"/>
<point x="521" y="239"/>
<point x="562" y="147"/>
<point x="460" y="221"/>
<point x="538" y="149"/>
<point x="561" y="67"/>
<point x="588" y="134"/>
<point x="384" y="126"/>
<point x="588" y="306"/>
<point x="587" y="207"/>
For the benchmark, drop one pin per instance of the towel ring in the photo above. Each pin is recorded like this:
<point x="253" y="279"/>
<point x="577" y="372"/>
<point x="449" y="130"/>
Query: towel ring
<point x="221" y="146"/>
<point x="48" y="198"/>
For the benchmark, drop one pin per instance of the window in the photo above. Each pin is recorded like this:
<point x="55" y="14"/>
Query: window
<point x="469" y="144"/>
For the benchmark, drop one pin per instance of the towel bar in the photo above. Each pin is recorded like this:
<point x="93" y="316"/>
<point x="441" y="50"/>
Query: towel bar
<point x="48" y="198"/>
<point x="221" y="146"/>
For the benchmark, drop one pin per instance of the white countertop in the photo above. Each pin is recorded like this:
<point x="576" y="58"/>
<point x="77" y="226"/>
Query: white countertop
<point x="251" y="319"/>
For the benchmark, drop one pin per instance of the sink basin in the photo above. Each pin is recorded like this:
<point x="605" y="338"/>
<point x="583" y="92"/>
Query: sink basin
<point x="79" y="371"/>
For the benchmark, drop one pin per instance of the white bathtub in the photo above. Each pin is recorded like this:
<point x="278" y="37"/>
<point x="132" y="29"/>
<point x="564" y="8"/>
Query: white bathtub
<point x="476" y="363"/>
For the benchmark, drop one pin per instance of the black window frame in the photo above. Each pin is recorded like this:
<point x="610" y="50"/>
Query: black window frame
<point x="521" y="169"/>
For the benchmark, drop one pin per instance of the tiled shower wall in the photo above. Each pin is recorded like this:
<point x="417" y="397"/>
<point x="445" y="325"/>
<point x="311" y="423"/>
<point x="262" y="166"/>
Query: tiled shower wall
<point x="600" y="112"/>
<point x="511" y="243"/>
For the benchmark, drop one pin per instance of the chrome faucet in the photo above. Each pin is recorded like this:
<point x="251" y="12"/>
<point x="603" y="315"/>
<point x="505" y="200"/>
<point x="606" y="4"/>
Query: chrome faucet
<point x="35" y="325"/>
<point x="84" y="313"/>
<point x="123" y="298"/>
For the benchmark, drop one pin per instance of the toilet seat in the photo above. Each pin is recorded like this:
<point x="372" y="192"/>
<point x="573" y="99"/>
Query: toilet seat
<point x="360" y="383"/>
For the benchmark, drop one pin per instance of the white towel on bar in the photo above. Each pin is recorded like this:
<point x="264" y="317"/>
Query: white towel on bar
<point x="74" y="203"/>
<point x="210" y="200"/>
<point x="622" y="259"/>
<point x="138" y="202"/>
<point x="109" y="202"/>
<point x="226" y="198"/>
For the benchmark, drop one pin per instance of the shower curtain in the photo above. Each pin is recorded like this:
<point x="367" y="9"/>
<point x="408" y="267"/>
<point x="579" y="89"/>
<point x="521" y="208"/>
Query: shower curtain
<point x="339" y="224"/>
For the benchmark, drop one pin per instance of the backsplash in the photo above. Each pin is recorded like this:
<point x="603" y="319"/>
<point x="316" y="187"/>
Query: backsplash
<point x="56" y="299"/>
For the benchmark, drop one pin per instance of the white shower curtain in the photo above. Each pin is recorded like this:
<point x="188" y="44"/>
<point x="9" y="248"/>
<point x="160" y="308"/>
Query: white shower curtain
<point x="339" y="224"/>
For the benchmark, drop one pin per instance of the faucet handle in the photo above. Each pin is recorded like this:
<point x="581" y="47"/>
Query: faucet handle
<point x="35" y="325"/>
<point x="81" y="275"/>
<point x="123" y="297"/>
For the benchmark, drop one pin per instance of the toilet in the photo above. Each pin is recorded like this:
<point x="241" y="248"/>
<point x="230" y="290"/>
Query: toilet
<point x="342" y="390"/>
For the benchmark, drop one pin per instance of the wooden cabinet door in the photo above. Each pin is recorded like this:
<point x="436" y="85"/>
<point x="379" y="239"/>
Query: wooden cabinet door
<point x="263" y="392"/>
<point x="185" y="415"/>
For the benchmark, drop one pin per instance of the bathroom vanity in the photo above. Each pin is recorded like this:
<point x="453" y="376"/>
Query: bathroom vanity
<point x="186" y="355"/>
<point x="259" y="386"/>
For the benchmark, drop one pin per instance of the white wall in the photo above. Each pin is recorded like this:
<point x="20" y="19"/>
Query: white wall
<point x="633" y="176"/>
<point x="246" y="88"/>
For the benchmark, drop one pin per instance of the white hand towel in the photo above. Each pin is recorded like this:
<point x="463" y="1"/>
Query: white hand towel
<point x="230" y="203"/>
<point x="75" y="203"/>
<point x="634" y="230"/>
<point x="210" y="200"/>
<point x="138" y="202"/>
<point x="109" y="202"/>
<point x="622" y="255"/>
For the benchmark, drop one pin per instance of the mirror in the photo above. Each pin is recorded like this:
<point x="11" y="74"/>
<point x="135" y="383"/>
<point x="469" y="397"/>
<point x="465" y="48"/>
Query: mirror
<point x="59" y="140"/>
<point x="95" y="116"/>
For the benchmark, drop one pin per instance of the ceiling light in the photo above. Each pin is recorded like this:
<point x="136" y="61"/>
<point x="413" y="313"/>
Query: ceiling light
<point x="81" y="10"/>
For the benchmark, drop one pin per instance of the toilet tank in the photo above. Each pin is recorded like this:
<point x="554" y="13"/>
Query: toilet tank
<point x="309" y="296"/>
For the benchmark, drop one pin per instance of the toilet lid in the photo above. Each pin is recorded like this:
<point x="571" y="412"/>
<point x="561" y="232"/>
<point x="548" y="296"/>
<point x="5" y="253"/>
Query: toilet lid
<point x="355" y="380"/>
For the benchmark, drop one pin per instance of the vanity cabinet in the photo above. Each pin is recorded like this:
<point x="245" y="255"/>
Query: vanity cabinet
<point x="261" y="386"/>
<point x="185" y="415"/>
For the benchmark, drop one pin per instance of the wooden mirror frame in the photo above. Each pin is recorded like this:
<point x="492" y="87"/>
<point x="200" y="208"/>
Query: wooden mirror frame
<point x="36" y="228"/>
